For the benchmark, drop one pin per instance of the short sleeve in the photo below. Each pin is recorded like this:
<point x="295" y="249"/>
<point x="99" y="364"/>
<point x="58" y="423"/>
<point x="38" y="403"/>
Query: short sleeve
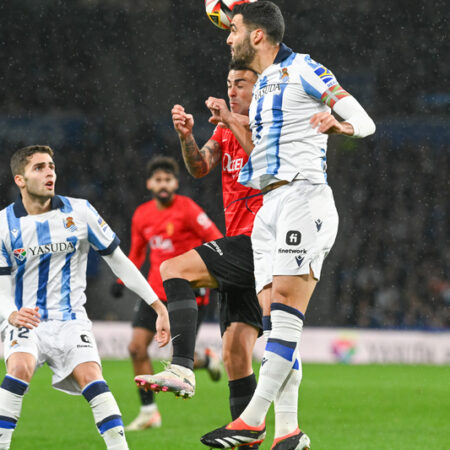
<point x="217" y="135"/>
<point x="320" y="83"/>
<point x="100" y="235"/>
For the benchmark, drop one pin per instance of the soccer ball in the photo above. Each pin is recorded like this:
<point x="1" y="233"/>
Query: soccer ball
<point x="219" y="11"/>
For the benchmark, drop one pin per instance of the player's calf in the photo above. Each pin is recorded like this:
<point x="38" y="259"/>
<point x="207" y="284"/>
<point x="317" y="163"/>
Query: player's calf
<point x="106" y="414"/>
<point x="11" y="396"/>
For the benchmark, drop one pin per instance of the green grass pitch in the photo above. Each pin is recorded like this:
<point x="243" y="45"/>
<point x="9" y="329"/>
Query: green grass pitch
<point x="341" y="407"/>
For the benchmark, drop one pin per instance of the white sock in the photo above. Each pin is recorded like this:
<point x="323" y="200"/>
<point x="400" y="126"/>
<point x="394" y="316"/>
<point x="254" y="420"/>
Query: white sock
<point x="184" y="370"/>
<point x="149" y="408"/>
<point x="11" y="396"/>
<point x="106" y="414"/>
<point x="286" y="401"/>
<point x="277" y="362"/>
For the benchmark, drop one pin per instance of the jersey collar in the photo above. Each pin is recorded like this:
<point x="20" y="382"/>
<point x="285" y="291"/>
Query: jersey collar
<point x="20" y="211"/>
<point x="283" y="53"/>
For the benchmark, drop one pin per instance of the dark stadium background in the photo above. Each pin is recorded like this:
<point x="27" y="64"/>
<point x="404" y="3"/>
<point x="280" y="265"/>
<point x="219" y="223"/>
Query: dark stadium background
<point x="96" y="80"/>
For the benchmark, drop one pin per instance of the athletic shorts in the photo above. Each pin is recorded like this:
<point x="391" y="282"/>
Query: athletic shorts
<point x="293" y="231"/>
<point x="230" y="261"/>
<point x="63" y="345"/>
<point x="145" y="316"/>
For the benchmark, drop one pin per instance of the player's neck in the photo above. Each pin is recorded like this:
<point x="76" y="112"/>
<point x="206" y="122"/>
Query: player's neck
<point x="35" y="205"/>
<point x="160" y="205"/>
<point x="265" y="57"/>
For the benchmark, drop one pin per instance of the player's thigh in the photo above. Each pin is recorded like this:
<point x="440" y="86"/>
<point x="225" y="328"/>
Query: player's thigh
<point x="87" y="372"/>
<point x="68" y="345"/>
<point x="189" y="266"/>
<point x="263" y="244"/>
<point x="306" y="228"/>
<point x="294" y="290"/>
<point x="21" y="351"/>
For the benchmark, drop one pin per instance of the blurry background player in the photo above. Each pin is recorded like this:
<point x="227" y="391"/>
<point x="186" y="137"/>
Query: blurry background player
<point x="290" y="118"/>
<point x="170" y="224"/>
<point x="225" y="263"/>
<point x="45" y="240"/>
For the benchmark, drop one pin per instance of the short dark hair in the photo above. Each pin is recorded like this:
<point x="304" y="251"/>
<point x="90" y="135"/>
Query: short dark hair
<point x="237" y="65"/>
<point x="265" y="15"/>
<point x="164" y="163"/>
<point x="19" y="158"/>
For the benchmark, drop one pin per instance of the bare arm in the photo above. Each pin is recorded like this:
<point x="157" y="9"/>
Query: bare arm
<point x="199" y="162"/>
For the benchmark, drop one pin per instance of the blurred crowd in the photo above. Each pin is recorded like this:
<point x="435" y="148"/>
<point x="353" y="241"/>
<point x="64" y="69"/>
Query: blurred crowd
<point x="96" y="79"/>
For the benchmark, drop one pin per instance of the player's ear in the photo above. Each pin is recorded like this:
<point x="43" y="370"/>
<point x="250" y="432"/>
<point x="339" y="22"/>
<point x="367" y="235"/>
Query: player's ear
<point x="257" y="36"/>
<point x="149" y="184"/>
<point x="177" y="184"/>
<point x="19" y="180"/>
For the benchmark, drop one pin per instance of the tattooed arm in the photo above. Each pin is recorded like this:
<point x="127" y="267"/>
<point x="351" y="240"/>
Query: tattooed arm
<point x="199" y="162"/>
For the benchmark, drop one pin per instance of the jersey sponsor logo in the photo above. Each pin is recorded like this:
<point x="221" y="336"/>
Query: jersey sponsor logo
<point x="58" y="247"/>
<point x="159" y="243"/>
<point x="321" y="71"/>
<point x="20" y="253"/>
<point x="292" y="250"/>
<point x="269" y="88"/>
<point x="69" y="224"/>
<point x="204" y="221"/>
<point x="231" y="165"/>
<point x="293" y="237"/>
<point x="101" y="222"/>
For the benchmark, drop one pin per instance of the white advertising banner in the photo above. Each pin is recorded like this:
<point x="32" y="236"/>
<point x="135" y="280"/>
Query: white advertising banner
<point x="319" y="345"/>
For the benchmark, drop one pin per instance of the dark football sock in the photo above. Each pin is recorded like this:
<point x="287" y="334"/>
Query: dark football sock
<point x="147" y="397"/>
<point x="241" y="391"/>
<point x="183" y="313"/>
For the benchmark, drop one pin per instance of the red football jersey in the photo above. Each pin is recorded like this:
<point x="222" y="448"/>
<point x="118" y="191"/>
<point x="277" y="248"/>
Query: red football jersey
<point x="168" y="232"/>
<point x="240" y="203"/>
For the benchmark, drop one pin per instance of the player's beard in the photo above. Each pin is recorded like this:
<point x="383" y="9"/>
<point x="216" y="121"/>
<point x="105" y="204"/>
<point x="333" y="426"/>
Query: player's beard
<point x="243" y="53"/>
<point x="164" y="199"/>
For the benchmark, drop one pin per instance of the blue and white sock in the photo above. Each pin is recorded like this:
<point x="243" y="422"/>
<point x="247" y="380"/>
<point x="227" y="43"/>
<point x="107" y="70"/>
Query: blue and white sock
<point x="11" y="396"/>
<point x="277" y="361"/>
<point x="106" y="414"/>
<point x="286" y="401"/>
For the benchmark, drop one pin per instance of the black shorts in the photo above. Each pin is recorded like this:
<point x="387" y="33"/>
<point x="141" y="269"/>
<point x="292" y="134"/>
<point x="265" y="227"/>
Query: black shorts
<point x="145" y="316"/>
<point x="230" y="261"/>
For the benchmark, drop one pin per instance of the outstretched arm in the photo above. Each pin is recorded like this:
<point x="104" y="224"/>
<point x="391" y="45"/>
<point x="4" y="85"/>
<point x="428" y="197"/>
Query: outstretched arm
<point x="357" y="122"/>
<point x="124" y="269"/>
<point x="199" y="162"/>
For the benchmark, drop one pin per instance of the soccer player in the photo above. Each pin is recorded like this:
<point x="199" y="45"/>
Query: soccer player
<point x="296" y="227"/>
<point x="44" y="241"/>
<point x="170" y="225"/>
<point x="224" y="263"/>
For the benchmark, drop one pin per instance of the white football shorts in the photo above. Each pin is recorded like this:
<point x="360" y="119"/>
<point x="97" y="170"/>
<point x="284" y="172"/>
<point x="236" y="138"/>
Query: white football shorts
<point x="63" y="345"/>
<point x="293" y="231"/>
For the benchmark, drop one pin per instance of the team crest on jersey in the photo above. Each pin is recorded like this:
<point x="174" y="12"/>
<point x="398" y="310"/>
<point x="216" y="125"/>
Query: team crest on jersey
<point x="69" y="224"/>
<point x="170" y="228"/>
<point x="20" y="254"/>
<point x="284" y="74"/>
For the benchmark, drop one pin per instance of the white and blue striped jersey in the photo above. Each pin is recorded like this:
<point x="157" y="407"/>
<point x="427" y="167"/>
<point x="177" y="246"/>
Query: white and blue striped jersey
<point x="46" y="254"/>
<point x="285" y="97"/>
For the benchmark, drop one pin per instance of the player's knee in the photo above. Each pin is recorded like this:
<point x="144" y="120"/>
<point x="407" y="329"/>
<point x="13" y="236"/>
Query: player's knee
<point x="23" y="370"/>
<point x="170" y="269"/>
<point x="137" y="351"/>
